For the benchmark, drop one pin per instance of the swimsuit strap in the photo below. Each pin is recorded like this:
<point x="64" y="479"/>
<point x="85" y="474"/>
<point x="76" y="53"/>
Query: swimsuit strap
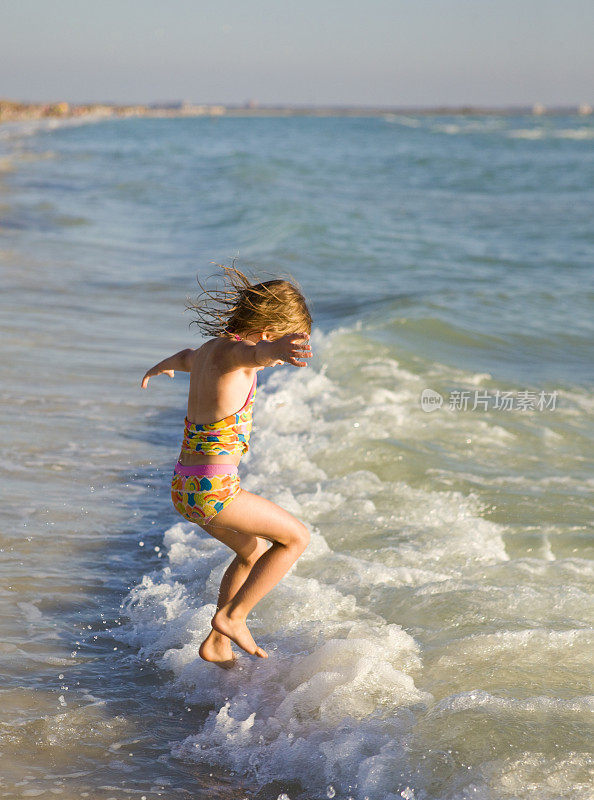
<point x="250" y="395"/>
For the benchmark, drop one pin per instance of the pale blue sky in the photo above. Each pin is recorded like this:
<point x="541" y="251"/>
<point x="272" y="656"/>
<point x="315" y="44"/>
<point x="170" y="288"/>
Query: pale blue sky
<point x="364" y="52"/>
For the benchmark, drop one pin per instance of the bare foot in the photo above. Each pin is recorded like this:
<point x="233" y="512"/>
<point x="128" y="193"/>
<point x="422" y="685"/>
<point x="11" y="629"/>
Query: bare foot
<point x="217" y="648"/>
<point x="237" y="630"/>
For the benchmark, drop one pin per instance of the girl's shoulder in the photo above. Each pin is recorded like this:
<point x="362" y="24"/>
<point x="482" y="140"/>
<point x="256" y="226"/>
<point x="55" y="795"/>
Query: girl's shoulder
<point x="216" y="346"/>
<point x="211" y="345"/>
<point x="213" y="353"/>
<point x="217" y="341"/>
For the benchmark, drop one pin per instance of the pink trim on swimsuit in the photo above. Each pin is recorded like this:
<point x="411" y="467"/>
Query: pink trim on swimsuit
<point x="204" y="469"/>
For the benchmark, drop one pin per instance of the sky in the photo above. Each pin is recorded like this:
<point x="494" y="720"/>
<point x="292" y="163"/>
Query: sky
<point x="313" y="52"/>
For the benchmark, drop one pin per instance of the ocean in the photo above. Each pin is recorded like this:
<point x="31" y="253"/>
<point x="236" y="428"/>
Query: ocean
<point x="434" y="641"/>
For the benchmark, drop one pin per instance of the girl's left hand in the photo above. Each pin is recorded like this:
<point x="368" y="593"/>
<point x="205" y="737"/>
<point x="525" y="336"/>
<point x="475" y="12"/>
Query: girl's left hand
<point x="152" y="372"/>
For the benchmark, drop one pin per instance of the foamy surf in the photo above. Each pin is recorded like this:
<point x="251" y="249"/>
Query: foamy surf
<point x="335" y="672"/>
<point x="365" y="630"/>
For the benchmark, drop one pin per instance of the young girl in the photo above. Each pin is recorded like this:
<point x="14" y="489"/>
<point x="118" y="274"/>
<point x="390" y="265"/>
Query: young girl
<point x="255" y="326"/>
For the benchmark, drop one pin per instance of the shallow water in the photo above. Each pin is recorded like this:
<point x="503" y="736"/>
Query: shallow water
<point x="435" y="639"/>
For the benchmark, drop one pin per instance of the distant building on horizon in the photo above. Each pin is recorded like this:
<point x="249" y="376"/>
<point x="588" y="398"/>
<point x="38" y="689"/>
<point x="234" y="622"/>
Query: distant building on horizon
<point x="170" y="104"/>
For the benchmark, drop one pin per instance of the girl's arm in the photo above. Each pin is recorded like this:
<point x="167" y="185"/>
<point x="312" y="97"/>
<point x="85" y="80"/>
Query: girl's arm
<point x="286" y="350"/>
<point x="180" y="361"/>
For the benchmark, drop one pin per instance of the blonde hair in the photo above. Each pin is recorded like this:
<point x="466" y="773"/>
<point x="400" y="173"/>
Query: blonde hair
<point x="243" y="307"/>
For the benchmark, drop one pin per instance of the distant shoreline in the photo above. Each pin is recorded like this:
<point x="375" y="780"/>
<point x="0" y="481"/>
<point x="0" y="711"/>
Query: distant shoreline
<point x="16" y="111"/>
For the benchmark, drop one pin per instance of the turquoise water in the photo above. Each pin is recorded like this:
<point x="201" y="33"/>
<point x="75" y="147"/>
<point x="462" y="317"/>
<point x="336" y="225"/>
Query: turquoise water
<point x="434" y="641"/>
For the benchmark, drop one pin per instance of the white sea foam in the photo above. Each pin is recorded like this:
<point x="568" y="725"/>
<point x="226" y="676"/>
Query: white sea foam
<point x="337" y="684"/>
<point x="18" y="129"/>
<point x="574" y="133"/>
<point x="548" y="132"/>
<point x="401" y="119"/>
<point x="529" y="646"/>
<point x="468" y="126"/>
<point x="481" y="700"/>
<point x="527" y="133"/>
<point x="531" y="482"/>
<point x="347" y="683"/>
<point x="338" y="697"/>
<point x="537" y="775"/>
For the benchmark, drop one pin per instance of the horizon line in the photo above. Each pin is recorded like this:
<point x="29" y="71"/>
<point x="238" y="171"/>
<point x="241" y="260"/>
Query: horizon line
<point x="254" y="104"/>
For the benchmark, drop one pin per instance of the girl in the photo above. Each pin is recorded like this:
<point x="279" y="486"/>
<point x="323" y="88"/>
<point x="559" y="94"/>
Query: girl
<point x="254" y="326"/>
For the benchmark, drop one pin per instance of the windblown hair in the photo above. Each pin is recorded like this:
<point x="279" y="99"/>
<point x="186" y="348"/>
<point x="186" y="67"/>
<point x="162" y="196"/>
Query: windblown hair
<point x="243" y="307"/>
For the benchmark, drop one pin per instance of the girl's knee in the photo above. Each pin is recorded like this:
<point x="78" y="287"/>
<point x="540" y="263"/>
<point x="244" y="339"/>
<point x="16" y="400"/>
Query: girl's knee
<point x="301" y="537"/>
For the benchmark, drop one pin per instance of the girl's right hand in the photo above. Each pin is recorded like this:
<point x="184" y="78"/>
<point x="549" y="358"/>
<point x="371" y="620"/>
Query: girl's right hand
<point x="288" y="349"/>
<point x="155" y="371"/>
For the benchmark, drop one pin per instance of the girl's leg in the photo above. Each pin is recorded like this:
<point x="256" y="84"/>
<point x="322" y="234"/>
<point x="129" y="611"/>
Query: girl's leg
<point x="217" y="647"/>
<point x="238" y="570"/>
<point x="250" y="515"/>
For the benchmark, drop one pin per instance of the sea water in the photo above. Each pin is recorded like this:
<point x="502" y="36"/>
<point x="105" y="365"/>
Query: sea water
<point x="435" y="639"/>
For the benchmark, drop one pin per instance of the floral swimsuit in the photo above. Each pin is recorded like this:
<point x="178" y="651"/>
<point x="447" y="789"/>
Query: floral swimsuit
<point x="200" y="491"/>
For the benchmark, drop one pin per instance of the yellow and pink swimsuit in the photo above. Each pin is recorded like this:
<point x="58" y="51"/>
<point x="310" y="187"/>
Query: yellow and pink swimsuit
<point x="200" y="491"/>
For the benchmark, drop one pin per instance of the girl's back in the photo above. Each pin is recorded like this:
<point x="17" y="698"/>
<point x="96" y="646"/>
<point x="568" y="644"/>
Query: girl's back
<point x="217" y="387"/>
